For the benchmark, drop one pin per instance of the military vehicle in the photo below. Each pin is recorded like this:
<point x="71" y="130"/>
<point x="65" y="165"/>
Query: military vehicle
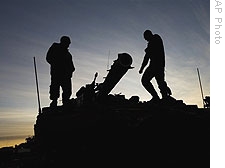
<point x="101" y="129"/>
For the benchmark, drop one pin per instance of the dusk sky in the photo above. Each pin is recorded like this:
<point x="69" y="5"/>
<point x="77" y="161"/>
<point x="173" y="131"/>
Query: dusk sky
<point x="99" y="30"/>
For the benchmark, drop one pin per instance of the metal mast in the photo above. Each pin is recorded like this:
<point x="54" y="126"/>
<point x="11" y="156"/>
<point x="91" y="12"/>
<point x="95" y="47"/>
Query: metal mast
<point x="39" y="104"/>
<point x="201" y="87"/>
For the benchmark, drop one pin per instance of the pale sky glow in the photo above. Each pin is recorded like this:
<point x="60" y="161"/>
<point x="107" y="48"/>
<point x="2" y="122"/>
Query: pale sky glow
<point x="99" y="30"/>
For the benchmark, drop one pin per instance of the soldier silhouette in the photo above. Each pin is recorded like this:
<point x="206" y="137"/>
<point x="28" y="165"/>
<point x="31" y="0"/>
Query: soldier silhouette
<point x="155" y="54"/>
<point x="61" y="70"/>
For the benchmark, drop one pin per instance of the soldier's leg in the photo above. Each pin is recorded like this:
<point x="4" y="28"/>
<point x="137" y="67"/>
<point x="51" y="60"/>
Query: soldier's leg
<point x="145" y="80"/>
<point x="164" y="89"/>
<point x="54" y="90"/>
<point x="67" y="90"/>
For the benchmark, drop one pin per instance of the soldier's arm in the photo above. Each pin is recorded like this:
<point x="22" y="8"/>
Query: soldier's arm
<point x="50" y="54"/>
<point x="144" y="63"/>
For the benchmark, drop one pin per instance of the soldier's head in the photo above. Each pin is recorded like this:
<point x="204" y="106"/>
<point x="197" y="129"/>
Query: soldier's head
<point x="147" y="35"/>
<point x="65" y="41"/>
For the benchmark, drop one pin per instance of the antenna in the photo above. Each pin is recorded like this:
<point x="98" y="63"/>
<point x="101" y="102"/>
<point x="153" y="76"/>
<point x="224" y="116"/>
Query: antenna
<point x="107" y="68"/>
<point x="201" y="87"/>
<point x="108" y="61"/>
<point x="35" y="69"/>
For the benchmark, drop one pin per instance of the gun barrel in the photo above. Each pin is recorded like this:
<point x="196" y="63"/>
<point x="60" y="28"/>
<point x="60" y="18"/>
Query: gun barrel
<point x="118" y="69"/>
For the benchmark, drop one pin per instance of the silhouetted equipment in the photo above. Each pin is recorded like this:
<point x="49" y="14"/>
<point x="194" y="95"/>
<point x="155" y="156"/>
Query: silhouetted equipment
<point x="39" y="104"/>
<point x="86" y="94"/>
<point x="201" y="87"/>
<point x="207" y="102"/>
<point x="97" y="92"/>
<point x="120" y="66"/>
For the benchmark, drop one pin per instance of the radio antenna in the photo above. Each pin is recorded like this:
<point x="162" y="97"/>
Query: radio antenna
<point x="201" y="87"/>
<point x="108" y="61"/>
<point x="39" y="104"/>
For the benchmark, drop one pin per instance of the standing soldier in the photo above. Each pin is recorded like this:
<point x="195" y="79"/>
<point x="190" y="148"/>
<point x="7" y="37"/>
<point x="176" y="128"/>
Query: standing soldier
<point x="62" y="68"/>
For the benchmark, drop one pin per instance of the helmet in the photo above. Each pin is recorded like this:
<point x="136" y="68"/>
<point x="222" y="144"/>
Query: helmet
<point x="65" y="40"/>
